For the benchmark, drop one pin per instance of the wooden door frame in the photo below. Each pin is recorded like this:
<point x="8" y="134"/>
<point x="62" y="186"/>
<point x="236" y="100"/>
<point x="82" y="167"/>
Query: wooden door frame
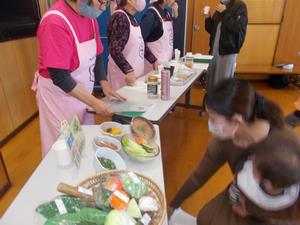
<point x="8" y="184"/>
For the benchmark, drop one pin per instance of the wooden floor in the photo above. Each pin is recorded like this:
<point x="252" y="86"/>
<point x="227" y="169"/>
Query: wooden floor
<point x="184" y="136"/>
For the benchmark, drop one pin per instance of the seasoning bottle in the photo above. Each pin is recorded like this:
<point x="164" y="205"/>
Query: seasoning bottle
<point x="165" y="85"/>
<point x="152" y="87"/>
<point x="189" y="60"/>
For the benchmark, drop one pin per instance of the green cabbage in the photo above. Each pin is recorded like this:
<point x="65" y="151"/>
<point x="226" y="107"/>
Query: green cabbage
<point x="119" y="217"/>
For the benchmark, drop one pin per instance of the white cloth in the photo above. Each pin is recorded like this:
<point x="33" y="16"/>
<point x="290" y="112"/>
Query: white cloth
<point x="248" y="184"/>
<point x="180" y="217"/>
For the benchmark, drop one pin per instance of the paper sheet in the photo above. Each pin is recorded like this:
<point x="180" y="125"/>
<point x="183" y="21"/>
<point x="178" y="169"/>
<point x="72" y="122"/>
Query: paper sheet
<point x="180" y="217"/>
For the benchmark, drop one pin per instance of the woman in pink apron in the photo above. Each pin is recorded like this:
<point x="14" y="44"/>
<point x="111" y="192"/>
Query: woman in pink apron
<point x="126" y="45"/>
<point x="69" y="62"/>
<point x="157" y="31"/>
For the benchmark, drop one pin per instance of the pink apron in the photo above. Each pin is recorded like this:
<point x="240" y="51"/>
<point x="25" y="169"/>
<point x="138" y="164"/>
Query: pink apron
<point x="162" y="49"/>
<point x="54" y="104"/>
<point x="134" y="54"/>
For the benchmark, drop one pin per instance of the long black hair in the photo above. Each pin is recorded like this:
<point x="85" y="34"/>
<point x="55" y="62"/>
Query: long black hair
<point x="235" y="96"/>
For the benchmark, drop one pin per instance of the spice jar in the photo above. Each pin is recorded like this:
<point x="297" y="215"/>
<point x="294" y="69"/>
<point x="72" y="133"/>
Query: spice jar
<point x="152" y="87"/>
<point x="188" y="62"/>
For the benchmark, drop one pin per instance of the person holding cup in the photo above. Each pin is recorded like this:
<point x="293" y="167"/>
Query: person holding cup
<point x="227" y="28"/>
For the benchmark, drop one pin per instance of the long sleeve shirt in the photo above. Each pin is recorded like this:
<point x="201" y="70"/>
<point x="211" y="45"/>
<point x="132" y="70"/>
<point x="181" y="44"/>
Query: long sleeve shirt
<point x="118" y="31"/>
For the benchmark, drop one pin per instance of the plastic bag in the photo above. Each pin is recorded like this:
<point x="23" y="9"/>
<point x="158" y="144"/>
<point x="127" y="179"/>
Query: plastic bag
<point x="134" y="186"/>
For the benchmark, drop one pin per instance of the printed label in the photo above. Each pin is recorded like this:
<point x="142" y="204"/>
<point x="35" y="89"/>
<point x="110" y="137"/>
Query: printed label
<point x="60" y="206"/>
<point x="85" y="191"/>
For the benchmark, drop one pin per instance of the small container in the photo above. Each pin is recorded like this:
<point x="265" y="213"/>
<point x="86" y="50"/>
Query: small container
<point x="165" y="85"/>
<point x="206" y="10"/>
<point x="152" y="87"/>
<point x="62" y="152"/>
<point x="189" y="60"/>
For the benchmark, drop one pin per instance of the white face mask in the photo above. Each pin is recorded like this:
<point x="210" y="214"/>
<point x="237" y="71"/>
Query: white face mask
<point x="250" y="187"/>
<point x="220" y="132"/>
<point x="215" y="129"/>
<point x="139" y="5"/>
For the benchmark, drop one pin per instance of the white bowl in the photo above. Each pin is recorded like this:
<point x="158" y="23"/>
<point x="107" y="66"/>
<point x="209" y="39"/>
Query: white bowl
<point x="106" y="125"/>
<point x="107" y="139"/>
<point x="109" y="154"/>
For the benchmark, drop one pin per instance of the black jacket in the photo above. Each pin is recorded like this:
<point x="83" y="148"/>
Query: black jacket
<point x="233" y="29"/>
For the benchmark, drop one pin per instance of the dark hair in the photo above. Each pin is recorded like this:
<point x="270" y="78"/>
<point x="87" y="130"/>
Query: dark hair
<point x="278" y="158"/>
<point x="121" y="3"/>
<point x="233" y="96"/>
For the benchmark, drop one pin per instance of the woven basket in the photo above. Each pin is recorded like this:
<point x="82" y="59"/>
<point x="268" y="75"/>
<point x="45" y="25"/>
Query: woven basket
<point x="153" y="191"/>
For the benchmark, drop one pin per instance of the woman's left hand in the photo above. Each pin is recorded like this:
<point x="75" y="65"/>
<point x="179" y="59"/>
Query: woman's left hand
<point x="221" y="8"/>
<point x="110" y="93"/>
<point x="174" y="6"/>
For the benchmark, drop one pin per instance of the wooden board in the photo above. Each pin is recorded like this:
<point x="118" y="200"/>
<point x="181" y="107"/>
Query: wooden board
<point x="265" y="11"/>
<point x="260" y="44"/>
<point x="17" y="66"/>
<point x="288" y="50"/>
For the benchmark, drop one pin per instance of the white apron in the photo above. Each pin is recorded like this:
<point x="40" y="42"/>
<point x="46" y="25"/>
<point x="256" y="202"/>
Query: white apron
<point x="162" y="49"/>
<point x="54" y="104"/>
<point x="133" y="52"/>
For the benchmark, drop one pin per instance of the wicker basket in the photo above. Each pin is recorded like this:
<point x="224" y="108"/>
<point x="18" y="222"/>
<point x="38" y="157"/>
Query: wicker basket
<point x="153" y="191"/>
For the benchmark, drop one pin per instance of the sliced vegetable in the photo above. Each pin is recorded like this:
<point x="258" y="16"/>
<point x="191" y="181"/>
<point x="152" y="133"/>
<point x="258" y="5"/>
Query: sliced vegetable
<point x="119" y="217"/>
<point x="135" y="149"/>
<point x="107" y="163"/>
<point x="139" y="140"/>
<point x="148" y="204"/>
<point x="133" y="209"/>
<point x="113" y="131"/>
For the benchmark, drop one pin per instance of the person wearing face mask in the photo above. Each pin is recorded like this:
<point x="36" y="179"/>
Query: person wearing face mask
<point x="227" y="28"/>
<point x="157" y="30"/>
<point x="70" y="60"/>
<point x="238" y="118"/>
<point x="267" y="184"/>
<point x="126" y="45"/>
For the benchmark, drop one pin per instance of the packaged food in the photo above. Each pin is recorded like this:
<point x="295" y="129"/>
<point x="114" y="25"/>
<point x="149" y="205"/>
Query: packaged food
<point x="134" y="186"/>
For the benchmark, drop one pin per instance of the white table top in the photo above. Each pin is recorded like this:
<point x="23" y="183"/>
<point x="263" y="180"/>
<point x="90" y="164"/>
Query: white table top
<point x="160" y="107"/>
<point x="41" y="186"/>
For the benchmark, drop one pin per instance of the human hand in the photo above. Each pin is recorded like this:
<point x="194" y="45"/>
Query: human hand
<point x="130" y="78"/>
<point x="109" y="92"/>
<point x="220" y="8"/>
<point x="101" y="108"/>
<point x="174" y="7"/>
<point x="103" y="4"/>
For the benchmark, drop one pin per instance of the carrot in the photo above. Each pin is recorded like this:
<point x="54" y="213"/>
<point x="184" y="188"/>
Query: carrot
<point x="119" y="199"/>
<point x="139" y="140"/>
